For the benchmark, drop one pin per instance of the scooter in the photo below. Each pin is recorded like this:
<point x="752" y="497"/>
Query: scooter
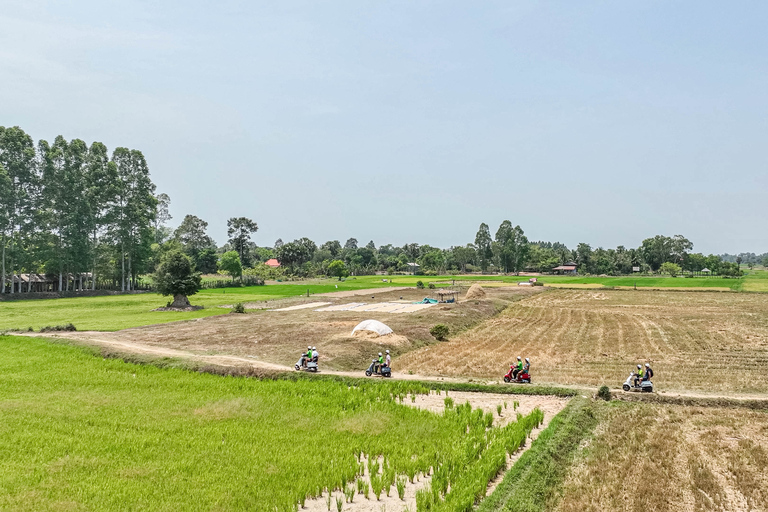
<point x="522" y="377"/>
<point x="384" y="371"/>
<point x="645" y="386"/>
<point x="303" y="364"/>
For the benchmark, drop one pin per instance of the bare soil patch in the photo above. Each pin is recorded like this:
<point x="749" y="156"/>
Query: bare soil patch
<point x="278" y="337"/>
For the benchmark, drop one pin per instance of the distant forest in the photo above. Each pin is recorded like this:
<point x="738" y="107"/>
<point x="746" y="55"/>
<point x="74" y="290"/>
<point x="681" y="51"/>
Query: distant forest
<point x="75" y="217"/>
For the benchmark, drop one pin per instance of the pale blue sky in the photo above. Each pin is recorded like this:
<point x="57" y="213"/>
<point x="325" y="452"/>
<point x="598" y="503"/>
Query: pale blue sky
<point x="604" y="122"/>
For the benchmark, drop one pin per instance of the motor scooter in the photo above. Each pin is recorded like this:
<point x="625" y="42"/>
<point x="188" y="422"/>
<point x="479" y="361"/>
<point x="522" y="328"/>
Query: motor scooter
<point x="374" y="369"/>
<point x="645" y="386"/>
<point x="306" y="365"/>
<point x="523" y="377"/>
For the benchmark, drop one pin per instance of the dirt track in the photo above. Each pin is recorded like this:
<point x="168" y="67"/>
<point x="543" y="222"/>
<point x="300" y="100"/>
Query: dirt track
<point x="96" y="339"/>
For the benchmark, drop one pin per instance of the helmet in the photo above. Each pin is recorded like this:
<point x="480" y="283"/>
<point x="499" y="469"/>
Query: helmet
<point x="309" y="347"/>
<point x="387" y="351"/>
<point x="647" y="365"/>
<point x="527" y="360"/>
<point x="314" y="348"/>
<point x="639" y="367"/>
<point x="518" y="358"/>
<point x="379" y="353"/>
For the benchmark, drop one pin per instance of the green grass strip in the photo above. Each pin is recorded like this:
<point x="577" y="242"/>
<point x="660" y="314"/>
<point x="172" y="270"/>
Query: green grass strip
<point x="533" y="483"/>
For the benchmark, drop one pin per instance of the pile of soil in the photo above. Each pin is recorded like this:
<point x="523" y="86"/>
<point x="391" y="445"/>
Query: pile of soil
<point x="475" y="292"/>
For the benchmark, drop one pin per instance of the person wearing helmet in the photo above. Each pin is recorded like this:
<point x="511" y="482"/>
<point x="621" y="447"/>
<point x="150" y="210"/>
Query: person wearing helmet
<point x="648" y="372"/>
<point x="518" y="367"/>
<point x="639" y="374"/>
<point x="527" y="366"/>
<point x="379" y="363"/>
<point x="315" y="355"/>
<point x="308" y="356"/>
<point x="388" y="360"/>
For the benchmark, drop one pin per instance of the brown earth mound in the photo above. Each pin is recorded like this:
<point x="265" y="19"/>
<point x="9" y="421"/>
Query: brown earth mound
<point x="475" y="292"/>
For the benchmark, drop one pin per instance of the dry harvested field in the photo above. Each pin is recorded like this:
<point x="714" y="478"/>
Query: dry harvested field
<point x="672" y="458"/>
<point x="280" y="336"/>
<point x="696" y="341"/>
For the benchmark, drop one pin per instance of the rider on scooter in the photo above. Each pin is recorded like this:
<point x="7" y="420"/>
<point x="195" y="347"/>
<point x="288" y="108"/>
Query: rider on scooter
<point x="315" y="355"/>
<point x="518" y="367"/>
<point x="527" y="367"/>
<point x="648" y="372"/>
<point x="388" y="360"/>
<point x="639" y="374"/>
<point x="379" y="364"/>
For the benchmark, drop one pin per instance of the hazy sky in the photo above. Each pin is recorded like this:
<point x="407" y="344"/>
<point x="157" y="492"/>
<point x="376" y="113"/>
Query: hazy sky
<point x="604" y="122"/>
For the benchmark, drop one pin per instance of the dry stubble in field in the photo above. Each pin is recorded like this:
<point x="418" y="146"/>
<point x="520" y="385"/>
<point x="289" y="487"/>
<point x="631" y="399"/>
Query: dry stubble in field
<point x="674" y="458"/>
<point x="704" y="341"/>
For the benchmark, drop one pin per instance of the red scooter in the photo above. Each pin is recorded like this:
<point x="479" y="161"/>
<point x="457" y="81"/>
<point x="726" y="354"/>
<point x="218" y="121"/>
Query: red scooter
<point x="522" y="376"/>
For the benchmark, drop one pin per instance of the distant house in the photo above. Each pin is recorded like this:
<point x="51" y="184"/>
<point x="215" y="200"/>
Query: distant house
<point x="272" y="263"/>
<point x="413" y="267"/>
<point x="568" y="268"/>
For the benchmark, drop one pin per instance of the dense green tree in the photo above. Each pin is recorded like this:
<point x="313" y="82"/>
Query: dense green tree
<point x="19" y="200"/>
<point x="206" y="261"/>
<point x="332" y="246"/>
<point x="513" y="247"/>
<point x="483" y="242"/>
<point x="133" y="213"/>
<point x="338" y="269"/>
<point x="673" y="269"/>
<point x="239" y="230"/>
<point x="292" y="254"/>
<point x="231" y="264"/>
<point x="175" y="276"/>
<point x="163" y="215"/>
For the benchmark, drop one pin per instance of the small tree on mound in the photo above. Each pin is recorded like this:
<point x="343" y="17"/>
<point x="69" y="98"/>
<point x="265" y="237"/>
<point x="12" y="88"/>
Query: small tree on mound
<point x="176" y="277"/>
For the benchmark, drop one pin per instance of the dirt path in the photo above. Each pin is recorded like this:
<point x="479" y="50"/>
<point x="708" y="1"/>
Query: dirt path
<point x="95" y="338"/>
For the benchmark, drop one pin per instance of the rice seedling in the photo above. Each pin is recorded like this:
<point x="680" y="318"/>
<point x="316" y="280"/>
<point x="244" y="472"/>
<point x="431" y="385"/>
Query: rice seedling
<point x="400" y="484"/>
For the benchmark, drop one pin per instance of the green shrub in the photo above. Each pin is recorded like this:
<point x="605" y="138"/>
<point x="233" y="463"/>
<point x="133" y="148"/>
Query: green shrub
<point x="238" y="308"/>
<point x="52" y="328"/>
<point x="420" y="285"/>
<point x="604" y="393"/>
<point x="431" y="286"/>
<point x="439" y="331"/>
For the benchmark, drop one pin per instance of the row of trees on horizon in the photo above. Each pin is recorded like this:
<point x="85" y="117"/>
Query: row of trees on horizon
<point x="74" y="211"/>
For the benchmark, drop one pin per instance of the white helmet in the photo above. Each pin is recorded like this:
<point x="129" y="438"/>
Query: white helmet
<point x="387" y="351"/>
<point x="379" y="353"/>
<point x="309" y="347"/>
<point x="518" y="358"/>
<point x="647" y="365"/>
<point x="639" y="367"/>
<point x="527" y="360"/>
<point x="314" y="348"/>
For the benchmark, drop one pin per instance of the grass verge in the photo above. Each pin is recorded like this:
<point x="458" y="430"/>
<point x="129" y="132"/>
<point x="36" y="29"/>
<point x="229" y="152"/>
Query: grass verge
<point x="534" y="482"/>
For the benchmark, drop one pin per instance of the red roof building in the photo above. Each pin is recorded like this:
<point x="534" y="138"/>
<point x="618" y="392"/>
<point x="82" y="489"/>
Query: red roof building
<point x="272" y="263"/>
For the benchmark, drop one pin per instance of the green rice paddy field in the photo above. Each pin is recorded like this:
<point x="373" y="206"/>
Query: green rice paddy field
<point x="80" y="432"/>
<point x="111" y="313"/>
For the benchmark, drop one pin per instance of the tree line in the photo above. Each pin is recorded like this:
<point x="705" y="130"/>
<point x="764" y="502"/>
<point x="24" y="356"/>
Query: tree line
<point x="73" y="211"/>
<point x="76" y="212"/>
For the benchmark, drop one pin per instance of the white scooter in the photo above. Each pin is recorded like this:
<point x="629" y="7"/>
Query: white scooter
<point x="645" y="386"/>
<point x="305" y="364"/>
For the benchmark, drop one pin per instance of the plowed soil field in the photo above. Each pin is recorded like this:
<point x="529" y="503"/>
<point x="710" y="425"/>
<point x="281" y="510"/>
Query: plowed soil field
<point x="696" y="341"/>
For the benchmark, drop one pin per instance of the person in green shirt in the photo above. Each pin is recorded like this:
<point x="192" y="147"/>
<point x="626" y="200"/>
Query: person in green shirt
<point x="639" y="374"/>
<point x="380" y="363"/>
<point x="518" y="367"/>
